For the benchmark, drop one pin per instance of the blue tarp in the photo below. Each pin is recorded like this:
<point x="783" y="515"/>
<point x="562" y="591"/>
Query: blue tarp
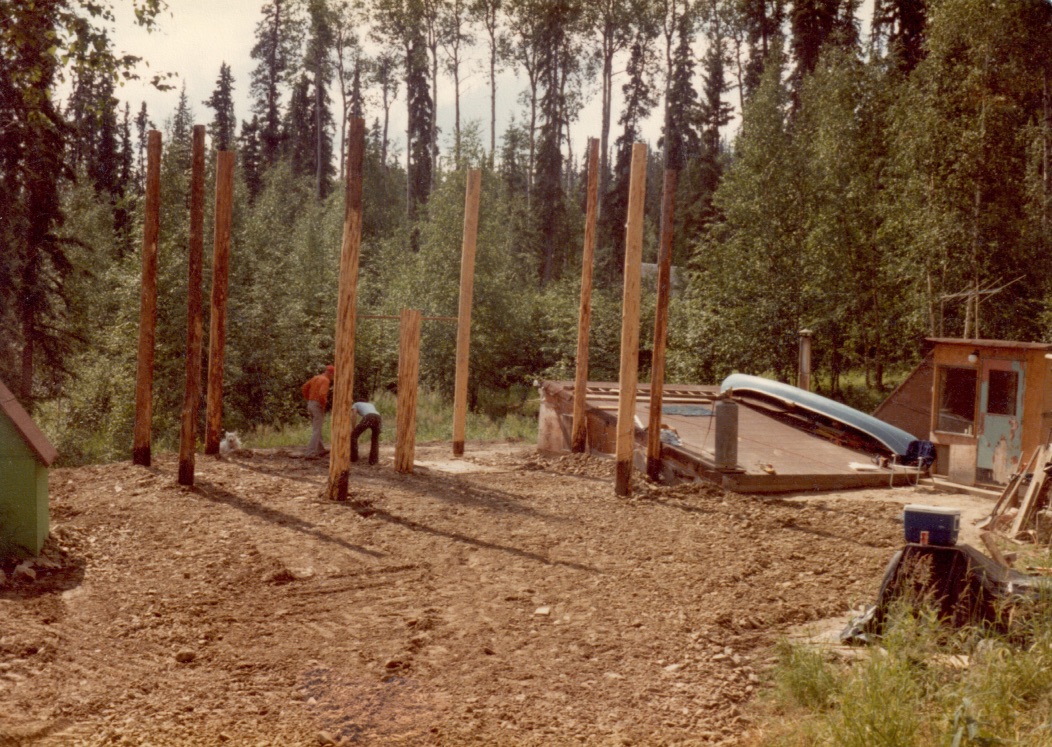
<point x="688" y="410"/>
<point x="895" y="439"/>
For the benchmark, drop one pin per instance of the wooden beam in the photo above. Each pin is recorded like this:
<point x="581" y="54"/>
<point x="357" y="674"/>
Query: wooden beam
<point x="467" y="282"/>
<point x="397" y="316"/>
<point x="220" y="280"/>
<point x="346" y="307"/>
<point x="657" y="368"/>
<point x="148" y="304"/>
<point x="1009" y="496"/>
<point x="1033" y="493"/>
<point x="194" y="331"/>
<point x="629" y="372"/>
<point x="408" y="377"/>
<point x="579" y="432"/>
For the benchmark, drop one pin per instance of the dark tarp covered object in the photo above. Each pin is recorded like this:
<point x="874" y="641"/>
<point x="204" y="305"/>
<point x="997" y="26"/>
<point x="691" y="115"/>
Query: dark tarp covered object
<point x="966" y="587"/>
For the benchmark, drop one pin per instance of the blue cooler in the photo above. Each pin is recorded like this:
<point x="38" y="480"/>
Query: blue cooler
<point x="941" y="524"/>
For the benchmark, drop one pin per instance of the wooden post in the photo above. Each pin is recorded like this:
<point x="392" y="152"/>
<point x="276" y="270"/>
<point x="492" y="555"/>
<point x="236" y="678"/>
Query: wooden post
<point x="467" y="282"/>
<point x="804" y="367"/>
<point x="626" y="408"/>
<point x="579" y="433"/>
<point x="220" y="275"/>
<point x="194" y="331"/>
<point x="657" y="369"/>
<point x="148" y="304"/>
<point x="346" y="307"/>
<point x="408" y="375"/>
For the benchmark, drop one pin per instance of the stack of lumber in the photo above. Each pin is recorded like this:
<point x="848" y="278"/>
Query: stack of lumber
<point x="1015" y="513"/>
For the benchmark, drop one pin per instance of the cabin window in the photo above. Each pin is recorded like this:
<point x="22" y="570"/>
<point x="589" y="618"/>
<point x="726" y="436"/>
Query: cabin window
<point x="1001" y="392"/>
<point x="956" y="400"/>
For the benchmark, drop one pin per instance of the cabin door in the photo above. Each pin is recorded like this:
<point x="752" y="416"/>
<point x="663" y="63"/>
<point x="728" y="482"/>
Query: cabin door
<point x="1000" y="414"/>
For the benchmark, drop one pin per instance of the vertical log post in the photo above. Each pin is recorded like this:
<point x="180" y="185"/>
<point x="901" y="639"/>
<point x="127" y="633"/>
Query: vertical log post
<point x="579" y="433"/>
<point x="626" y="409"/>
<point x="657" y="369"/>
<point x="408" y="376"/>
<point x="804" y="367"/>
<point x="346" y="308"/>
<point x="220" y="275"/>
<point x="194" y="331"/>
<point x="467" y="283"/>
<point x="148" y="304"/>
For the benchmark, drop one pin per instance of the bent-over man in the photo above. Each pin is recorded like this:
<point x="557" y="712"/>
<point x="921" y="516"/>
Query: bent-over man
<point x="370" y="419"/>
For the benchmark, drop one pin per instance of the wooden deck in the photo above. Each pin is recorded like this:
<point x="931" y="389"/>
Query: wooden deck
<point x="773" y="456"/>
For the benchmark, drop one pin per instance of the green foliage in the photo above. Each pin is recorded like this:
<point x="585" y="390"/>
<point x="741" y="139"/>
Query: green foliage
<point x="851" y="202"/>
<point x="804" y="678"/>
<point x="925" y="685"/>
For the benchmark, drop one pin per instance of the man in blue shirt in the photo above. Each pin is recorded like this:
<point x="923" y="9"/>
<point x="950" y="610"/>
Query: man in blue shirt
<point x="370" y="419"/>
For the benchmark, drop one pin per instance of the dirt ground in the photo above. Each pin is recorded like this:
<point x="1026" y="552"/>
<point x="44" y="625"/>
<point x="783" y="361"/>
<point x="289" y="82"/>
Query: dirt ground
<point x="500" y="599"/>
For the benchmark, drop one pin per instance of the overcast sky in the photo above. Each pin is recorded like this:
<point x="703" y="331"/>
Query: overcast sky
<point x="195" y="36"/>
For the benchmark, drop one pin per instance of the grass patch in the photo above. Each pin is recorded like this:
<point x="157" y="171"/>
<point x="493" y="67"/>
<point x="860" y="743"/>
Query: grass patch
<point x="924" y="686"/>
<point x="434" y="422"/>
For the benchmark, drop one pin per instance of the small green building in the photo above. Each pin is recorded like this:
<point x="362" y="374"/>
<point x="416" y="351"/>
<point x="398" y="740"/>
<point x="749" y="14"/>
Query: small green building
<point x="25" y="455"/>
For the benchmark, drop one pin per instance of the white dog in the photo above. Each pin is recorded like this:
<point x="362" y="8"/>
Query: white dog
<point x="229" y="443"/>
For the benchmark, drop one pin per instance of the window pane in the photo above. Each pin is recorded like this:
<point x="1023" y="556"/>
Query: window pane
<point x="956" y="399"/>
<point x="1001" y="392"/>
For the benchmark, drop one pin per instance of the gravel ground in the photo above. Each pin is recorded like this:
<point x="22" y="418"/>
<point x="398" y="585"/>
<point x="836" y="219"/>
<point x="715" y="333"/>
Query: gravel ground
<point x="503" y="598"/>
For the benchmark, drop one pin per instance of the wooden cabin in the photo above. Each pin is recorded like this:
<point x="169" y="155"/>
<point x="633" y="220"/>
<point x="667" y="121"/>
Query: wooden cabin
<point x="988" y="405"/>
<point x="25" y="455"/>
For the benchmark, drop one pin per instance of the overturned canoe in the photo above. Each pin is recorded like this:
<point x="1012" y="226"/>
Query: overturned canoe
<point x="868" y="430"/>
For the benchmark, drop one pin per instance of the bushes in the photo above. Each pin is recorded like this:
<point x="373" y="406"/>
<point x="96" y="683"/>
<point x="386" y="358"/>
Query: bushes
<point x="923" y="686"/>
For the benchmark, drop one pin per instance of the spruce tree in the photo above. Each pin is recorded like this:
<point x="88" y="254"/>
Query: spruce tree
<point x="680" y="136"/>
<point x="142" y="126"/>
<point x="420" y="118"/>
<point x="35" y="333"/>
<point x="122" y="211"/>
<point x="318" y="64"/>
<point x="249" y="158"/>
<point x="103" y="164"/>
<point x="639" y="100"/>
<point x="277" y="44"/>
<point x="221" y="102"/>
<point x="900" y="27"/>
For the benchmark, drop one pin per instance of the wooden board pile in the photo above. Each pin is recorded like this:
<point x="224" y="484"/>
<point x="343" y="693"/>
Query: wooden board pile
<point x="1016" y="513"/>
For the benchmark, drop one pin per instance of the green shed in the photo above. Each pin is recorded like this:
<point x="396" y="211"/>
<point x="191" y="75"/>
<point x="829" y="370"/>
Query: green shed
<point x="25" y="455"/>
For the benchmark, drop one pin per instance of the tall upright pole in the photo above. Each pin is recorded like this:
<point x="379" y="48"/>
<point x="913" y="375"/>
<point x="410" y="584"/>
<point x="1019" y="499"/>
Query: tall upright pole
<point x="803" y="377"/>
<point x="408" y="377"/>
<point x="148" y="304"/>
<point x="657" y="369"/>
<point x="467" y="283"/>
<point x="220" y="275"/>
<point x="628" y="378"/>
<point x="346" y="308"/>
<point x="194" y="331"/>
<point x="579" y="434"/>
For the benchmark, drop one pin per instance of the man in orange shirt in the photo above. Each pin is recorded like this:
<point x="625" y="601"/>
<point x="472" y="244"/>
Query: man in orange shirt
<point x="316" y="392"/>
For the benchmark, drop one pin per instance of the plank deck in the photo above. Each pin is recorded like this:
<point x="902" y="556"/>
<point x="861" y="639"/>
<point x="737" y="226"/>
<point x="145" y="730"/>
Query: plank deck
<point x="773" y="456"/>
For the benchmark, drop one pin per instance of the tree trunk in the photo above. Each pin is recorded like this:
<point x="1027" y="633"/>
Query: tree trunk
<point x="604" y="132"/>
<point x="456" y="110"/>
<point x="492" y="102"/>
<point x="28" y="337"/>
<point x="319" y="167"/>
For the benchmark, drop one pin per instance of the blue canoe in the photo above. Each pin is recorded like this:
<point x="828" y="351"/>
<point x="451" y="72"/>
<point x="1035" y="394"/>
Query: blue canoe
<point x="896" y="440"/>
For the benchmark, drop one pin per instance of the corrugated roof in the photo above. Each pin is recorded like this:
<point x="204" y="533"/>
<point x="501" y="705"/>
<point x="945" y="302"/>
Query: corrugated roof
<point x="32" y="434"/>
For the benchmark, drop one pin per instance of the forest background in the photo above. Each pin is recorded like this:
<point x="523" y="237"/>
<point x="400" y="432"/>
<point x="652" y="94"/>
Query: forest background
<point x="878" y="177"/>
